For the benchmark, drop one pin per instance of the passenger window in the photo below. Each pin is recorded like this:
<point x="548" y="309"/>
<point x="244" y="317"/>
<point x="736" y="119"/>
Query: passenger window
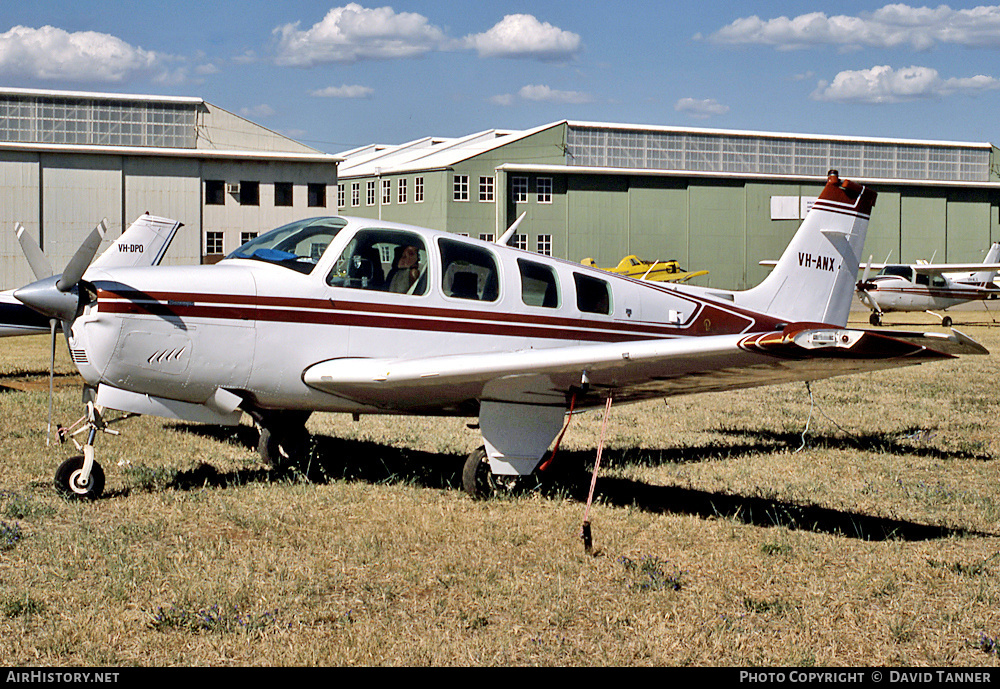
<point x="384" y="260"/>
<point x="592" y="295"/>
<point x="538" y="284"/>
<point x="468" y="271"/>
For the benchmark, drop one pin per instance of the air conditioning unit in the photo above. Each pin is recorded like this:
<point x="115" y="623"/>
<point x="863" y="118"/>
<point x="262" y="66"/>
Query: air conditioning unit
<point x="233" y="188"/>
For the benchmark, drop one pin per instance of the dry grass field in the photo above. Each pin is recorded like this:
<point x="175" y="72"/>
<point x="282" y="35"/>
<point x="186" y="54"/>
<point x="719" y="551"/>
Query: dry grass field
<point x="758" y="528"/>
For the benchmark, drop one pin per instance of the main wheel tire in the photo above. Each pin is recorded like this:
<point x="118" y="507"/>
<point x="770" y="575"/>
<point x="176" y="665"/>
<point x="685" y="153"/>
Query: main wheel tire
<point x="875" y="319"/>
<point x="477" y="476"/>
<point x="278" y="451"/>
<point x="946" y="322"/>
<point x="67" y="480"/>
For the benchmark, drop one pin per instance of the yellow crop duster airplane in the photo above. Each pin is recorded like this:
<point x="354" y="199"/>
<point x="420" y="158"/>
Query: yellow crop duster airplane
<point x="656" y="271"/>
<point x="361" y="316"/>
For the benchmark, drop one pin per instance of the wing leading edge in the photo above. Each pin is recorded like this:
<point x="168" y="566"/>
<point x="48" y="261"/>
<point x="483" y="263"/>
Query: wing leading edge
<point x="631" y="371"/>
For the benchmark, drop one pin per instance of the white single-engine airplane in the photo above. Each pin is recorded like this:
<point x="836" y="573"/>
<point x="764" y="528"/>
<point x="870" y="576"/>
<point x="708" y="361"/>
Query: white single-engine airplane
<point x="143" y="244"/>
<point x="368" y="317"/>
<point x="928" y="287"/>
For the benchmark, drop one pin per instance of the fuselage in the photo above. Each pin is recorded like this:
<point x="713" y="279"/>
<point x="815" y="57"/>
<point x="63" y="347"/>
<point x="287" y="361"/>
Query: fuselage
<point x="255" y="322"/>
<point x="901" y="288"/>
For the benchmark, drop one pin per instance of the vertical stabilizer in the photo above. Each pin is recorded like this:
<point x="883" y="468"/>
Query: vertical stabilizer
<point x="984" y="277"/>
<point x="143" y="244"/>
<point x="815" y="278"/>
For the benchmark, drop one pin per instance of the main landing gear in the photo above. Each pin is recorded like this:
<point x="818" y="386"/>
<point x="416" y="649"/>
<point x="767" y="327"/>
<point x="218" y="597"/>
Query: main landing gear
<point x="876" y="318"/>
<point x="479" y="481"/>
<point x="284" y="440"/>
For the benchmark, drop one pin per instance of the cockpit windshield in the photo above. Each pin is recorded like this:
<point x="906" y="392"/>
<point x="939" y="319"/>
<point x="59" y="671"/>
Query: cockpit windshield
<point x="298" y="245"/>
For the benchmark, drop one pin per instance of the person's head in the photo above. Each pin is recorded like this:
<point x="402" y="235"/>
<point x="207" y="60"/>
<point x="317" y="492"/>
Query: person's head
<point x="408" y="257"/>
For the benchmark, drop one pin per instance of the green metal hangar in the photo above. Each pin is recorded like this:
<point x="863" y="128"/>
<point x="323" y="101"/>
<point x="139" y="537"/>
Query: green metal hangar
<point x="713" y="199"/>
<point x="70" y="159"/>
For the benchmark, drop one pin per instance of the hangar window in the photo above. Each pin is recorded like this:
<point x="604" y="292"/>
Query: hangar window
<point x="418" y="190"/>
<point x="543" y="245"/>
<point x="249" y="193"/>
<point x="282" y="193"/>
<point x="468" y="271"/>
<point x="386" y="192"/>
<point x="370" y="193"/>
<point x="213" y="243"/>
<point x="592" y="294"/>
<point x="402" y="191"/>
<point x="356" y="194"/>
<point x="539" y="286"/>
<point x="384" y="260"/>
<point x="215" y="192"/>
<point x="461" y="188"/>
<point x="341" y="199"/>
<point x="519" y="187"/>
<point x="317" y="195"/>
<point x="486" y="189"/>
<point x="544" y="185"/>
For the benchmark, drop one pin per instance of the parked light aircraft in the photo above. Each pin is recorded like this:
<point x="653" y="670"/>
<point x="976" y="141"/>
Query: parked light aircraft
<point x="362" y="316"/>
<point x="143" y="244"/>
<point x="928" y="287"/>
<point x="657" y="271"/>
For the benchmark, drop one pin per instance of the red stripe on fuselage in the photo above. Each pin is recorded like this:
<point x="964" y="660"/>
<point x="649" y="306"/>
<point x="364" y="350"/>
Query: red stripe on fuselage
<point x="708" y="319"/>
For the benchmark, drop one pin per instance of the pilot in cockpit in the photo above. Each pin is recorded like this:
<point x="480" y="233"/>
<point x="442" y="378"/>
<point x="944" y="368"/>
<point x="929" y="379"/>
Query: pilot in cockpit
<point x="405" y="269"/>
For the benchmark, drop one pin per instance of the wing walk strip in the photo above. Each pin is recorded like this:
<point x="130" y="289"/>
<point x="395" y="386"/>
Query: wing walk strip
<point x="374" y="315"/>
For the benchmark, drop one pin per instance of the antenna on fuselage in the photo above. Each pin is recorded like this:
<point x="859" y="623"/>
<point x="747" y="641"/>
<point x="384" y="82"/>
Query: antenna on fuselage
<point x="505" y="237"/>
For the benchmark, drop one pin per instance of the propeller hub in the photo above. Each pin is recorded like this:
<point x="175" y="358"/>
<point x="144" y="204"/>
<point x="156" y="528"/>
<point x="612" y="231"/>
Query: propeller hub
<point x="46" y="298"/>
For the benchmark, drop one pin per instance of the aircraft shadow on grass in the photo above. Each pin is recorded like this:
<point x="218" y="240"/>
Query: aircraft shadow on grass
<point x="365" y="461"/>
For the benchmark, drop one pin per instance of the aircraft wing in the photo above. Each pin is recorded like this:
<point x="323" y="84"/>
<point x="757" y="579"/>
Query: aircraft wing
<point x="630" y="371"/>
<point x="941" y="268"/>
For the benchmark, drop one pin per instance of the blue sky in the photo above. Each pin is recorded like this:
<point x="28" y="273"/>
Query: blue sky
<point x="338" y="75"/>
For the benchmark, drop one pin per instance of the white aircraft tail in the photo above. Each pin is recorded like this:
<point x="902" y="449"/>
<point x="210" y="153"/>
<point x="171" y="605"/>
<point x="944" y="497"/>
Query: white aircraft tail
<point x="143" y="244"/>
<point x="815" y="278"/>
<point x="984" y="277"/>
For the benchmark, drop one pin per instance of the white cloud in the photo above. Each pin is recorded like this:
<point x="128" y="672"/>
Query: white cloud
<point x="701" y="109"/>
<point x="257" y="111"/>
<point x="345" y="91"/>
<point x="85" y="56"/>
<point x="523" y="36"/>
<point x="549" y="95"/>
<point x="882" y="84"/>
<point x="352" y="33"/>
<point x="891" y="26"/>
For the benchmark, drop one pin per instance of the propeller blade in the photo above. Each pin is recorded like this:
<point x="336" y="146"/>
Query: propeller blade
<point x="78" y="265"/>
<point x="52" y="369"/>
<point x="868" y="268"/>
<point x="40" y="266"/>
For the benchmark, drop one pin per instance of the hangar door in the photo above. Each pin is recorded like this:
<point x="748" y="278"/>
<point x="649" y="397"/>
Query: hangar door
<point x="922" y="223"/>
<point x="718" y="234"/>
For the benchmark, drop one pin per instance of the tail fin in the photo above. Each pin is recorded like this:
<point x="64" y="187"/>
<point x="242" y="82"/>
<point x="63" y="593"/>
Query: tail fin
<point x="142" y="244"/>
<point x="815" y="278"/>
<point x="986" y="276"/>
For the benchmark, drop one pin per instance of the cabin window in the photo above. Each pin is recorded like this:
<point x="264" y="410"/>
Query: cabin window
<point x="923" y="279"/>
<point x="592" y="294"/>
<point x="383" y="260"/>
<point x="899" y="271"/>
<point x="468" y="271"/>
<point x="539" y="286"/>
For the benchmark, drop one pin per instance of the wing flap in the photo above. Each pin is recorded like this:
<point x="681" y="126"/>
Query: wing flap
<point x="632" y="371"/>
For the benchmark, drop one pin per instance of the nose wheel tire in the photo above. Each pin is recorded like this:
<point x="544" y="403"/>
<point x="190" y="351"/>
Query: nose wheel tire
<point x="69" y="484"/>
<point x="875" y="319"/>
